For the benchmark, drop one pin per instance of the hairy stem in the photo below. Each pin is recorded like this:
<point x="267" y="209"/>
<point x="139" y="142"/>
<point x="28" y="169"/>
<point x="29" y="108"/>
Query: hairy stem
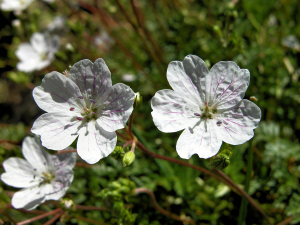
<point x="158" y="208"/>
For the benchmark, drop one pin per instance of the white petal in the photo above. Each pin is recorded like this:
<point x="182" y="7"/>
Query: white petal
<point x="188" y="78"/>
<point x="19" y="173"/>
<point x="115" y="111"/>
<point x="58" y="93"/>
<point x="238" y="123"/>
<point x="12" y="5"/>
<point x="35" y="154"/>
<point x="29" y="65"/>
<point x="25" y="52"/>
<point x="66" y="160"/>
<point x="172" y="111"/>
<point x="226" y="85"/>
<point x="57" y="130"/>
<point x="203" y="140"/>
<point x="93" y="80"/>
<point x="94" y="143"/>
<point x="19" y="180"/>
<point x="28" y="198"/>
<point x="39" y="42"/>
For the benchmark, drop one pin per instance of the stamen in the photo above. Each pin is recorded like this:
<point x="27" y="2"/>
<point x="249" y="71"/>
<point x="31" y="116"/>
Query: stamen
<point x="93" y="113"/>
<point x="92" y="101"/>
<point x="79" y="118"/>
<point x="197" y="114"/>
<point x="72" y="109"/>
<point x="80" y="97"/>
<point x="219" y="123"/>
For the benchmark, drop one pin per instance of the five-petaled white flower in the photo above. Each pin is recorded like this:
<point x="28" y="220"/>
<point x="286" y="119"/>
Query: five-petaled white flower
<point x="12" y="5"/>
<point x="37" y="54"/>
<point x="84" y="104"/>
<point x="209" y="105"/>
<point x="43" y="176"/>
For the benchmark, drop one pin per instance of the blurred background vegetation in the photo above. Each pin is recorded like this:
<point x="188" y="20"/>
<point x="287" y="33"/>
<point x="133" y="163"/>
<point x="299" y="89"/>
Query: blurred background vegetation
<point x="137" y="39"/>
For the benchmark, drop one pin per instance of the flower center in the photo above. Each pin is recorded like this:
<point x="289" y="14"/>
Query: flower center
<point x="207" y="112"/>
<point x="47" y="177"/>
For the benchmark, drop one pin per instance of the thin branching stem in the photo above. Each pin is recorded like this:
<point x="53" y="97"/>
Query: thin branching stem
<point x="39" y="217"/>
<point x="58" y="215"/>
<point x="158" y="208"/>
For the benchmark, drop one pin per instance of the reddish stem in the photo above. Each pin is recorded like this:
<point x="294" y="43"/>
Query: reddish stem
<point x="127" y="143"/>
<point x="54" y="218"/>
<point x="66" y="151"/>
<point x="39" y="217"/>
<point x="158" y="208"/>
<point x="95" y="208"/>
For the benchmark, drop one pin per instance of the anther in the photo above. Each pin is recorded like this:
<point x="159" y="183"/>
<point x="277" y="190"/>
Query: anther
<point x="219" y="123"/>
<point x="72" y="109"/>
<point x="197" y="114"/>
<point x="93" y="113"/>
<point x="80" y="97"/>
<point x="92" y="101"/>
<point x="79" y="118"/>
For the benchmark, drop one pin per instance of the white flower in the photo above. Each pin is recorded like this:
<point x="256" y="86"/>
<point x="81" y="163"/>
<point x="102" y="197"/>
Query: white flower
<point x="38" y="54"/>
<point x="12" y="5"/>
<point x="84" y="104"/>
<point x="43" y="176"/>
<point x="209" y="105"/>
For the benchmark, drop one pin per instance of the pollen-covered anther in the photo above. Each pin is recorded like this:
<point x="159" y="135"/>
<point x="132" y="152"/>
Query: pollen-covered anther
<point x="79" y="118"/>
<point x="80" y="97"/>
<point x="197" y="114"/>
<point x="72" y="109"/>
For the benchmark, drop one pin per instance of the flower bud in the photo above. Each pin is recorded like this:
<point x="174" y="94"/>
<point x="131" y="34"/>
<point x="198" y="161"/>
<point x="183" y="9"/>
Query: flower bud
<point x="138" y="100"/>
<point x="128" y="159"/>
<point x="67" y="204"/>
<point x="253" y="98"/>
<point x="118" y="152"/>
<point x="117" y="209"/>
<point x="114" y="185"/>
<point x="220" y="161"/>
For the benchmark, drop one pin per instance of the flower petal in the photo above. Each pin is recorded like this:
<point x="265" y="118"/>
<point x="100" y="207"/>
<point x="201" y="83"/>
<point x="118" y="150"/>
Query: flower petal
<point x="35" y="154"/>
<point x="57" y="130"/>
<point x="203" y="139"/>
<point x="12" y="5"/>
<point x="19" y="173"/>
<point x="226" y="85"/>
<point x="26" y="52"/>
<point x="188" y="77"/>
<point x="93" y="80"/>
<point x="40" y="42"/>
<point x="58" y="93"/>
<point x="238" y="122"/>
<point x="172" y="111"/>
<point x="28" y="198"/>
<point x="59" y="186"/>
<point x="117" y="108"/>
<point x="66" y="160"/>
<point x="94" y="143"/>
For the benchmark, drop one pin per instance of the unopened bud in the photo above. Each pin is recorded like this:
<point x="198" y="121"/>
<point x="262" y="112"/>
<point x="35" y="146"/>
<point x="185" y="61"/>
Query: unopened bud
<point x="253" y="98"/>
<point x="128" y="159"/>
<point x="117" y="209"/>
<point x="114" y="185"/>
<point x="118" y="152"/>
<point x="67" y="204"/>
<point x="138" y="100"/>
<point x="222" y="159"/>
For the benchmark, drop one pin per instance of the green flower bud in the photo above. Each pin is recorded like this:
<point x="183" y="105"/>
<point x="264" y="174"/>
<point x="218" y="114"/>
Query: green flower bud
<point x="138" y="100"/>
<point x="253" y="98"/>
<point x="114" y="185"/>
<point x="117" y="209"/>
<point x="220" y="161"/>
<point x="67" y="204"/>
<point x="128" y="159"/>
<point x="118" y="152"/>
